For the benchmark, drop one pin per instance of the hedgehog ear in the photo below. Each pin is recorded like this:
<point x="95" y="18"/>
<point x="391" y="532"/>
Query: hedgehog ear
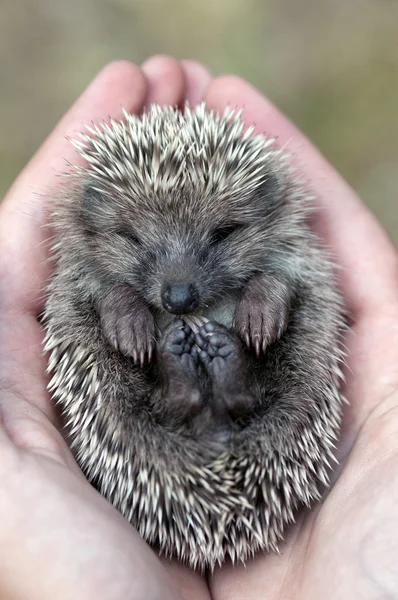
<point x="92" y="200"/>
<point x="270" y="193"/>
<point x="94" y="207"/>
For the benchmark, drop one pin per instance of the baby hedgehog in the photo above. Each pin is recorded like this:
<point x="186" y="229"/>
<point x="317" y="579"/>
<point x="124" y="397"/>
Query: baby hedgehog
<point x="193" y="329"/>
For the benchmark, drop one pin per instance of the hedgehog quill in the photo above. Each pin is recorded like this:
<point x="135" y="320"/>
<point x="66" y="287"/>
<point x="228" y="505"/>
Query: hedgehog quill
<point x="193" y="328"/>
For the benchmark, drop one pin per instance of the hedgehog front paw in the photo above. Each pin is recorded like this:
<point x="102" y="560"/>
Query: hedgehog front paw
<point x="261" y="317"/>
<point x="178" y="358"/>
<point x="221" y="353"/>
<point x="128" y="324"/>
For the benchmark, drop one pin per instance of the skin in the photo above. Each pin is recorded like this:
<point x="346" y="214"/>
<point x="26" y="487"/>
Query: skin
<point x="58" y="537"/>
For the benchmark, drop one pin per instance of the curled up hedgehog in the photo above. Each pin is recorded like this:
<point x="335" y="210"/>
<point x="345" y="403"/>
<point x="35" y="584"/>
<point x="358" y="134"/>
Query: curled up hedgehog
<point x="193" y="328"/>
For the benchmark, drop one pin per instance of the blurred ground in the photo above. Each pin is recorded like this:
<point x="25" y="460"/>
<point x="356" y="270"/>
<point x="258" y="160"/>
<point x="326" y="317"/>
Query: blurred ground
<point x="331" y="65"/>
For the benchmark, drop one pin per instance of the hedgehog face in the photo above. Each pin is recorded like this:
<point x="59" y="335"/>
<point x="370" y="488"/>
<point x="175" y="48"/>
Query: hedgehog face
<point x="182" y="206"/>
<point x="179" y="253"/>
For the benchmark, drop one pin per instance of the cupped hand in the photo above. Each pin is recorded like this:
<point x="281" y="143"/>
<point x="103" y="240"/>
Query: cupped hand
<point x="59" y="539"/>
<point x="345" y="547"/>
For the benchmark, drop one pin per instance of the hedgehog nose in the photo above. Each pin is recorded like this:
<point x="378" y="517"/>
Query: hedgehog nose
<point x="180" y="298"/>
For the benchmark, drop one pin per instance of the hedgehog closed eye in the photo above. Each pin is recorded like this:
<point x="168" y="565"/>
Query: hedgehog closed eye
<point x="128" y="236"/>
<point x="222" y="233"/>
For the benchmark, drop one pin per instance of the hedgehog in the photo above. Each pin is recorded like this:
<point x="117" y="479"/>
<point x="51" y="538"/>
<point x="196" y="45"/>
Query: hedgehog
<point x="193" y="328"/>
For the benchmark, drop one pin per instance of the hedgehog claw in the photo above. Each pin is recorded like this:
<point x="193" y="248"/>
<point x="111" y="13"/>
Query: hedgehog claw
<point x="201" y="342"/>
<point x="257" y="346"/>
<point x="247" y="340"/>
<point x="281" y="329"/>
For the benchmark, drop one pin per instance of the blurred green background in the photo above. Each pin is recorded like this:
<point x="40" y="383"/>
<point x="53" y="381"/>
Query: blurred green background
<point x="332" y="66"/>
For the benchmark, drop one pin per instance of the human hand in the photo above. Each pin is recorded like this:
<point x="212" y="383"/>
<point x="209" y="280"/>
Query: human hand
<point x="59" y="539"/>
<point x="346" y="546"/>
<point x="343" y="546"/>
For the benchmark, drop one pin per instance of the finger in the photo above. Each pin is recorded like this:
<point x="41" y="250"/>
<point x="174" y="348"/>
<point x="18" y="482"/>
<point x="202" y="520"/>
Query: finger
<point x="23" y="267"/>
<point x="23" y="365"/>
<point x="360" y="245"/>
<point x="197" y="80"/>
<point x="165" y="81"/>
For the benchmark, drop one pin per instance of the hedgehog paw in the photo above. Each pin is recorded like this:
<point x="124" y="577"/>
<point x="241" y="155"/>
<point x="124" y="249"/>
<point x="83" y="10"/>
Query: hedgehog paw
<point x="179" y="363"/>
<point x="128" y="324"/>
<point x="222" y="355"/>
<point x="259" y="320"/>
<point x="179" y="341"/>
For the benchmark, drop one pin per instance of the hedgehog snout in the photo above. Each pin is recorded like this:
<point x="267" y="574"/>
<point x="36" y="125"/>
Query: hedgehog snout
<point x="180" y="298"/>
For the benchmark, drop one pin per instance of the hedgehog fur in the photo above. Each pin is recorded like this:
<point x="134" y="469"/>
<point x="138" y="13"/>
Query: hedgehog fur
<point x="193" y="328"/>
